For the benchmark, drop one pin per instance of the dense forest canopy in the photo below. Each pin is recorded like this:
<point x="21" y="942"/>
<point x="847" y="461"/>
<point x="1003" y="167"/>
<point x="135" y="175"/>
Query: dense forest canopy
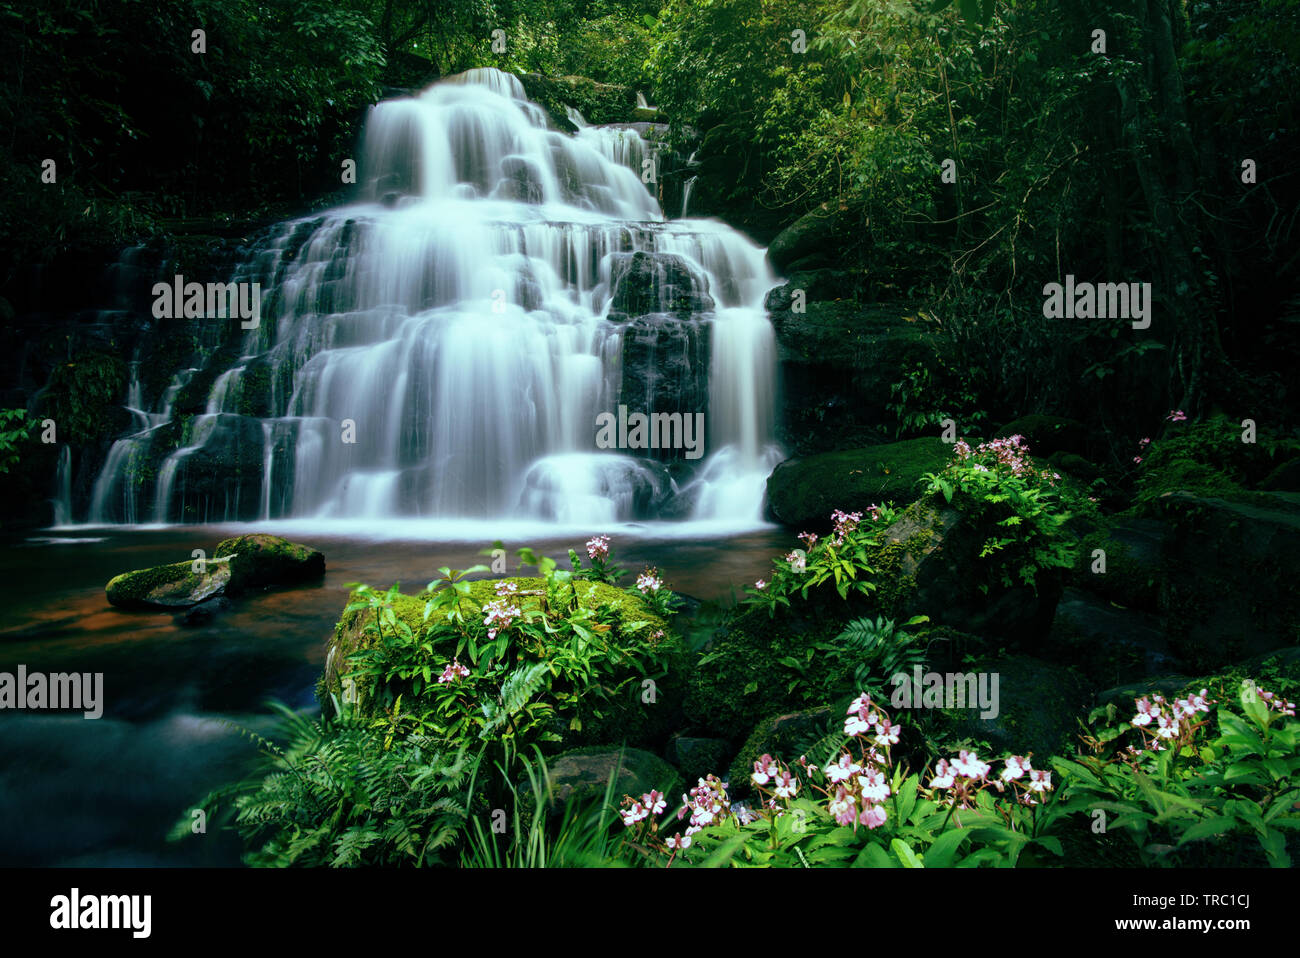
<point x="971" y="152"/>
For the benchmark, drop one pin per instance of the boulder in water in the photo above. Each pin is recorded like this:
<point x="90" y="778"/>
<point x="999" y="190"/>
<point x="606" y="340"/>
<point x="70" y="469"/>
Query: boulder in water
<point x="173" y="586"/>
<point x="241" y="564"/>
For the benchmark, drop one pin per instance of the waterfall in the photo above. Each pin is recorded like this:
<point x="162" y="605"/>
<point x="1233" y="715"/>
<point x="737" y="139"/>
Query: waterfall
<point x="445" y="346"/>
<point x="63" y="488"/>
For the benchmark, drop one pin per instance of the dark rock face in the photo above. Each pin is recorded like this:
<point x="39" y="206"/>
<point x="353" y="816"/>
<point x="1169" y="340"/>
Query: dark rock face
<point x="1038" y="708"/>
<point x="1110" y="643"/>
<point x="804" y="492"/>
<point x="597" y="102"/>
<point x="840" y="354"/>
<point x="1134" y="555"/>
<point x="223" y="479"/>
<point x="645" y="282"/>
<point x="697" y="757"/>
<point x="780" y="736"/>
<point x="1229" y="591"/>
<point x="818" y="238"/>
<point x="666" y="364"/>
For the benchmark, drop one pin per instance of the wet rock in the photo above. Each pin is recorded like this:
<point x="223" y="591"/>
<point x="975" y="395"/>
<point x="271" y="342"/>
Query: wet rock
<point x="697" y="757"/>
<point x="645" y="282"/>
<point x="1110" y="643"/>
<point x="804" y="492"/>
<point x="204" y="612"/>
<point x="821" y="237"/>
<point x="174" y="586"/>
<point x="1039" y="705"/>
<point x="666" y="365"/>
<point x="585" y="773"/>
<point x="259" y="560"/>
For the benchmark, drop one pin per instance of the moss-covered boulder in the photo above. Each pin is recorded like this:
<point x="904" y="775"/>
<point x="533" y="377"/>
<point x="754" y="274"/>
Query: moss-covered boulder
<point x="586" y="772"/>
<point x="641" y="715"/>
<point x="1038" y="708"/>
<point x="804" y="492"/>
<point x="784" y="736"/>
<point x="930" y="562"/>
<point x="821" y="237"/>
<point x="743" y="678"/>
<point x="697" y="757"/>
<point x="174" y="586"/>
<point x="240" y="565"/>
<point x="258" y="560"/>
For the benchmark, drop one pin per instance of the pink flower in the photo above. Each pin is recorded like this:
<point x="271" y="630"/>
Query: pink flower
<point x="655" y="802"/>
<point x="1039" y="780"/>
<point x="506" y="588"/>
<point x="873" y="786"/>
<point x="633" y="814"/>
<point x="761" y="584"/>
<point x="764" y="770"/>
<point x="501" y="614"/>
<point x="649" y="581"/>
<point x="1137" y="460"/>
<point x="944" y="775"/>
<point x="968" y="765"/>
<point x="798" y="562"/>
<point x="809" y="538"/>
<point x="786" y="785"/>
<point x="453" y="672"/>
<point x="843" y="770"/>
<point x="886" y="734"/>
<point x="1146" y="712"/>
<point x="598" y="547"/>
<point x="1176" y="415"/>
<point x="873" y="816"/>
<point x="679" y="842"/>
<point x="841" y="807"/>
<point x="1016" y="768"/>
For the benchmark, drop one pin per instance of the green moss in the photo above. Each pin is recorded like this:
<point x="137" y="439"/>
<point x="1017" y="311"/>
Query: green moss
<point x="84" y="394"/>
<point x="131" y="588"/>
<point x="808" y="490"/>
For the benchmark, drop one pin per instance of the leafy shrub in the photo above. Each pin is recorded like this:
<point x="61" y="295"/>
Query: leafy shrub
<point x="531" y="661"/>
<point x="1188" y="789"/>
<point x="999" y="486"/>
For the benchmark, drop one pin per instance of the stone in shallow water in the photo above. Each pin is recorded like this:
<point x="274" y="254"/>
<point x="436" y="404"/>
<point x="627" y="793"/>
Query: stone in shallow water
<point x="241" y="564"/>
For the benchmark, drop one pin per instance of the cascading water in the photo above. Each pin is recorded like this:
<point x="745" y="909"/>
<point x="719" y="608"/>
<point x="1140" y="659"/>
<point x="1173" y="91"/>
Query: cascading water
<point x="444" y="347"/>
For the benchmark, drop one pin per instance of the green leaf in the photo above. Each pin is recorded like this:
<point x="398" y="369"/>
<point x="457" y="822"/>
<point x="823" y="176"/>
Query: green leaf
<point x="905" y="854"/>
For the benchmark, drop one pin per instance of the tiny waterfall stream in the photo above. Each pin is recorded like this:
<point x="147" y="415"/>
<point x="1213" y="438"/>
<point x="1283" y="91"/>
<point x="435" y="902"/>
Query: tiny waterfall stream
<point x="442" y="348"/>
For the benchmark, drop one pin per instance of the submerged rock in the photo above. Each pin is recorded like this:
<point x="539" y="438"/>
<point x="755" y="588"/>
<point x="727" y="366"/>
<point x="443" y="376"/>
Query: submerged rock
<point x="240" y="565"/>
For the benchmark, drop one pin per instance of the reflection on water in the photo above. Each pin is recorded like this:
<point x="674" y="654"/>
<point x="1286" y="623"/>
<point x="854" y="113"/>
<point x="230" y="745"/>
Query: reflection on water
<point x="105" y="792"/>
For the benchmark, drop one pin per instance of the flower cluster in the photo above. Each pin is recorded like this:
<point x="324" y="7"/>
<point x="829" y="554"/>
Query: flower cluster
<point x="809" y="538"/>
<point x="598" y="548"/>
<point x="649" y="581"/>
<point x="651" y="803"/>
<point x="507" y="588"/>
<point x="966" y="776"/>
<point x="501" y="614"/>
<point x="1176" y="415"/>
<point x="1276" y="702"/>
<point x="454" y="672"/>
<point x="798" y="561"/>
<point x="1161" y="722"/>
<point x="845" y="522"/>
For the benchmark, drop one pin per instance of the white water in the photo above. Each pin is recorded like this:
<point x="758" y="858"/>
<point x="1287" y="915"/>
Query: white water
<point x="441" y="348"/>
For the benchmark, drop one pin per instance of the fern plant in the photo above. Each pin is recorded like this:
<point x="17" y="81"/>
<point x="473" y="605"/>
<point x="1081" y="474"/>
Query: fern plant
<point x="335" y="795"/>
<point x="881" y="650"/>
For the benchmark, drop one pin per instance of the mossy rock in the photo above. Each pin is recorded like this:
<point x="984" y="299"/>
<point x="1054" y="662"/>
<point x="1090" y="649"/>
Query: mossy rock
<point x="1134" y="562"/>
<point x="258" y="560"/>
<point x="697" y="757"/>
<point x="782" y="736"/>
<point x="599" y="103"/>
<point x="805" y="492"/>
<point x="240" y="565"/>
<point x="174" y="586"/>
<point x="1039" y="705"/>
<point x="743" y="678"/>
<point x="585" y="773"/>
<point x="629" y="719"/>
